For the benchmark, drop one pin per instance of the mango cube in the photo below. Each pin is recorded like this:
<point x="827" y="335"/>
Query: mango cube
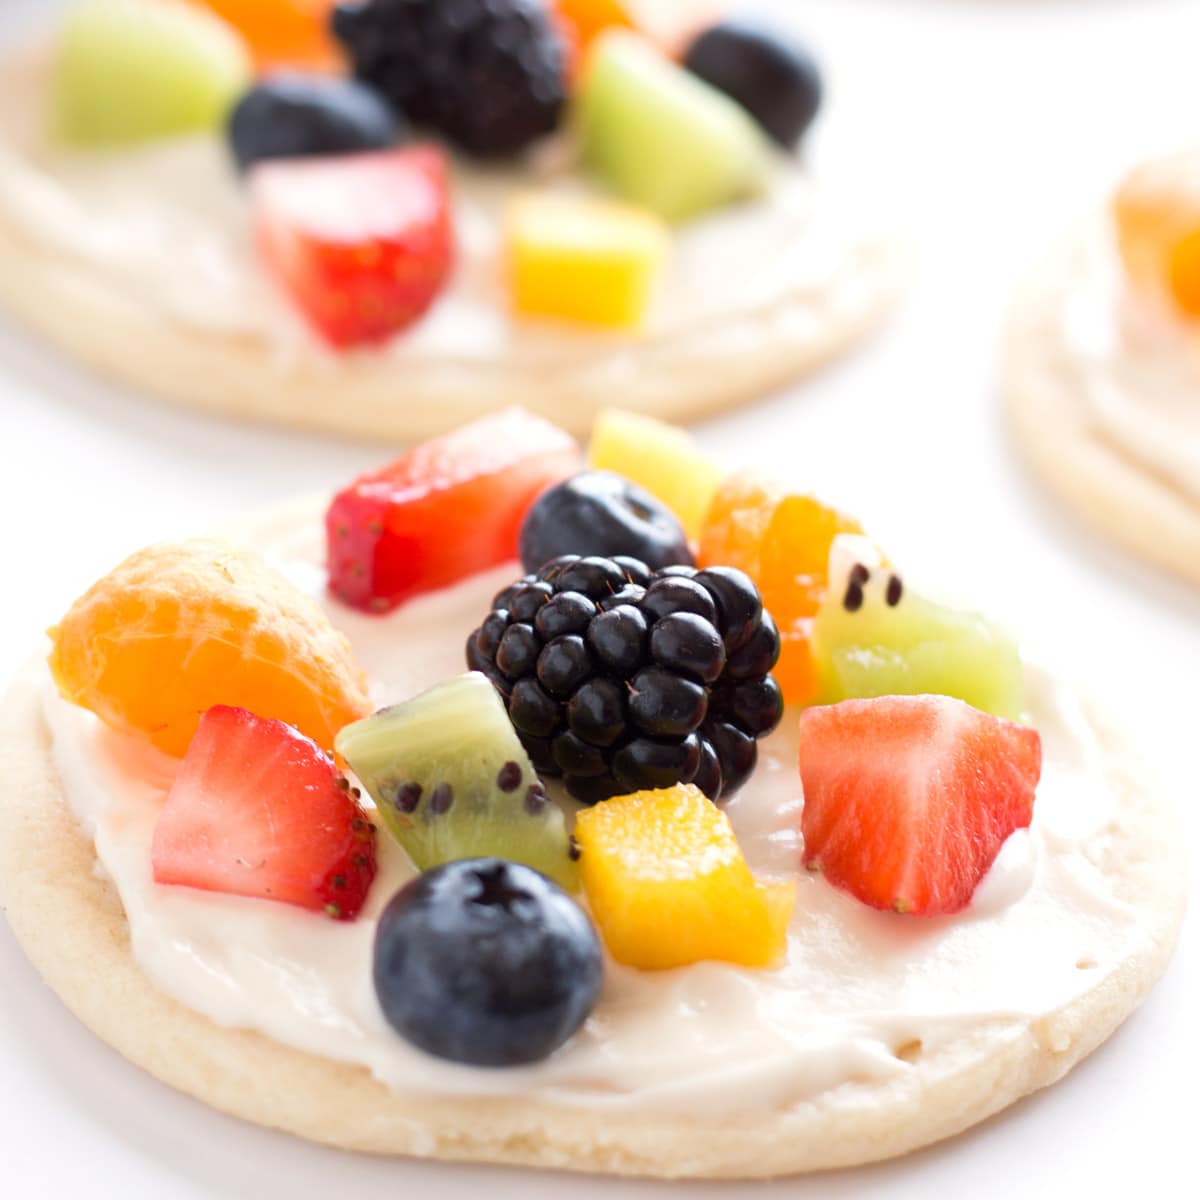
<point x="662" y="458"/>
<point x="577" y="259"/>
<point x="667" y="884"/>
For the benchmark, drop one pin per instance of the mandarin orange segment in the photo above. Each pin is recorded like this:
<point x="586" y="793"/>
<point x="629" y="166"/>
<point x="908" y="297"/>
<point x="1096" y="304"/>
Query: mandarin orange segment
<point x="1156" y="211"/>
<point x="796" y="671"/>
<point x="282" y="32"/>
<point x="794" y="557"/>
<point x="181" y="627"/>
<point x="667" y="883"/>
<point x="737" y="520"/>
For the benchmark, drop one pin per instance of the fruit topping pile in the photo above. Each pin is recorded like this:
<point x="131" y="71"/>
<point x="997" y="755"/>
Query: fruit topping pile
<point x="621" y="679"/>
<point x="671" y="115"/>
<point x="617" y="695"/>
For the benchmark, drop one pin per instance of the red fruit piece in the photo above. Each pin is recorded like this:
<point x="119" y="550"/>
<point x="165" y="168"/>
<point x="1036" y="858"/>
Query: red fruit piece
<point x="444" y="510"/>
<point x="908" y="799"/>
<point x="258" y="810"/>
<point x="363" y="242"/>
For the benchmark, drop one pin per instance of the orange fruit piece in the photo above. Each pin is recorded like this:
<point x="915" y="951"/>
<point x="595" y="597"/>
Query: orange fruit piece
<point x="183" y="626"/>
<point x="737" y="521"/>
<point x="667" y="883"/>
<point x="282" y="32"/>
<point x="1156" y="211"/>
<point x="585" y="19"/>
<point x="782" y="541"/>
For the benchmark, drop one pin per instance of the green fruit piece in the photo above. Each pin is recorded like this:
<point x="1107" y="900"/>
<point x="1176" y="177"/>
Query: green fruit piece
<point x="451" y="780"/>
<point x="133" y="70"/>
<point x="872" y="636"/>
<point x="662" y="137"/>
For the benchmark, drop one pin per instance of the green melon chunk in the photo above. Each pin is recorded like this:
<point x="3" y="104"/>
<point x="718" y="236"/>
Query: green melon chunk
<point x="660" y="136"/>
<point x="451" y="780"/>
<point x="130" y="71"/>
<point x="866" y="646"/>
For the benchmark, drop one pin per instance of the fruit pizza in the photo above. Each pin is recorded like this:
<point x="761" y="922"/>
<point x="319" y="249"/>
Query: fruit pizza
<point x="626" y="814"/>
<point x="389" y="216"/>
<point x="1102" y="365"/>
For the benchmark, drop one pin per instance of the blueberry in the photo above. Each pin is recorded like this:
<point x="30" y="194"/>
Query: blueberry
<point x="776" y="80"/>
<point x="688" y="644"/>
<point x="665" y="704"/>
<point x="293" y="115"/>
<point x="601" y="513"/>
<point x="486" y="962"/>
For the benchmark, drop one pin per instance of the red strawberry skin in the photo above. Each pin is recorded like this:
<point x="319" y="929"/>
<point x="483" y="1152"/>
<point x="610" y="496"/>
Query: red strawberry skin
<point x="258" y="810"/>
<point x="444" y="510"/>
<point x="364" y="243"/>
<point x="908" y="799"/>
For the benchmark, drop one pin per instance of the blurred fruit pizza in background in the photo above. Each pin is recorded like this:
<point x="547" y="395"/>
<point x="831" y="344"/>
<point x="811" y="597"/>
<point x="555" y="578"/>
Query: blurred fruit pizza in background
<point x="393" y="184"/>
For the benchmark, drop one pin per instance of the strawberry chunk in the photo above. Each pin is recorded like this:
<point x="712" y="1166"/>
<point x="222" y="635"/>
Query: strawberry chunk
<point x="364" y="243"/>
<point x="258" y="810"/>
<point x="908" y="799"/>
<point x="444" y="510"/>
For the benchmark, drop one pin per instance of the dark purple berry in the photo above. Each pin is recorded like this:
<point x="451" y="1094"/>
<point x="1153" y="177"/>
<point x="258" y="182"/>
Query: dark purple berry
<point x="677" y="595"/>
<point x="647" y="763"/>
<point x="574" y="757"/>
<point x="737" y="752"/>
<point x="755" y="705"/>
<point x="664" y="704"/>
<point x="564" y="665"/>
<point x="527" y="601"/>
<point x="518" y="651"/>
<point x="759" y="654"/>
<point x="568" y="612"/>
<point x="618" y="640"/>
<point x="739" y="605"/>
<point x="708" y="773"/>
<point x="601" y="513"/>
<point x="688" y="644"/>
<point x="597" y="712"/>
<point x="532" y="711"/>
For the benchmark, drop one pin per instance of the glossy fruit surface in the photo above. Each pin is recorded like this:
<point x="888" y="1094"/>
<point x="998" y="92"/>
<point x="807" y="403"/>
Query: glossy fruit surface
<point x="129" y="71"/>
<point x="661" y="137"/>
<point x="773" y="77"/>
<point x="451" y="780"/>
<point x="258" y="810"/>
<point x="282" y="33"/>
<point x="363" y="243"/>
<point x="908" y="799"/>
<point x="294" y="115"/>
<point x="619" y="679"/>
<point x="486" y="962"/>
<point x="489" y="75"/>
<point x="667" y="884"/>
<point x="603" y="514"/>
<point x="443" y="510"/>
<point x="782" y="540"/>
<point x="662" y="458"/>
<point x="579" y="259"/>
<point x="874" y="636"/>
<point x="181" y="627"/>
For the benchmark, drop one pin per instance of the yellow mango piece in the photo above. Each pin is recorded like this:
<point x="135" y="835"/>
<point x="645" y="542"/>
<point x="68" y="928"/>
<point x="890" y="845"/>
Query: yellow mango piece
<point x="667" y="884"/>
<point x="662" y="458"/>
<point x="576" y="259"/>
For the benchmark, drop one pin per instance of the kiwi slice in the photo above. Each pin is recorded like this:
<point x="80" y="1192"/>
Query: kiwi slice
<point x="451" y="780"/>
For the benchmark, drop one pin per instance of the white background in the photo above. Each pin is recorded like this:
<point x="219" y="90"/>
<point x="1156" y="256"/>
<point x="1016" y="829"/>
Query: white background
<point x="980" y="129"/>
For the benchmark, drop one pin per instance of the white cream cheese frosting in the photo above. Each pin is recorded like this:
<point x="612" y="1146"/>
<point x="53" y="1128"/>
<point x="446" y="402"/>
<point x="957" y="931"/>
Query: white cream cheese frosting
<point x="860" y="994"/>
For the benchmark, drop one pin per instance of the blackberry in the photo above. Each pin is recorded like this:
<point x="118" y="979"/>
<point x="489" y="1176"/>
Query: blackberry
<point x="490" y="75"/>
<point x="618" y="678"/>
